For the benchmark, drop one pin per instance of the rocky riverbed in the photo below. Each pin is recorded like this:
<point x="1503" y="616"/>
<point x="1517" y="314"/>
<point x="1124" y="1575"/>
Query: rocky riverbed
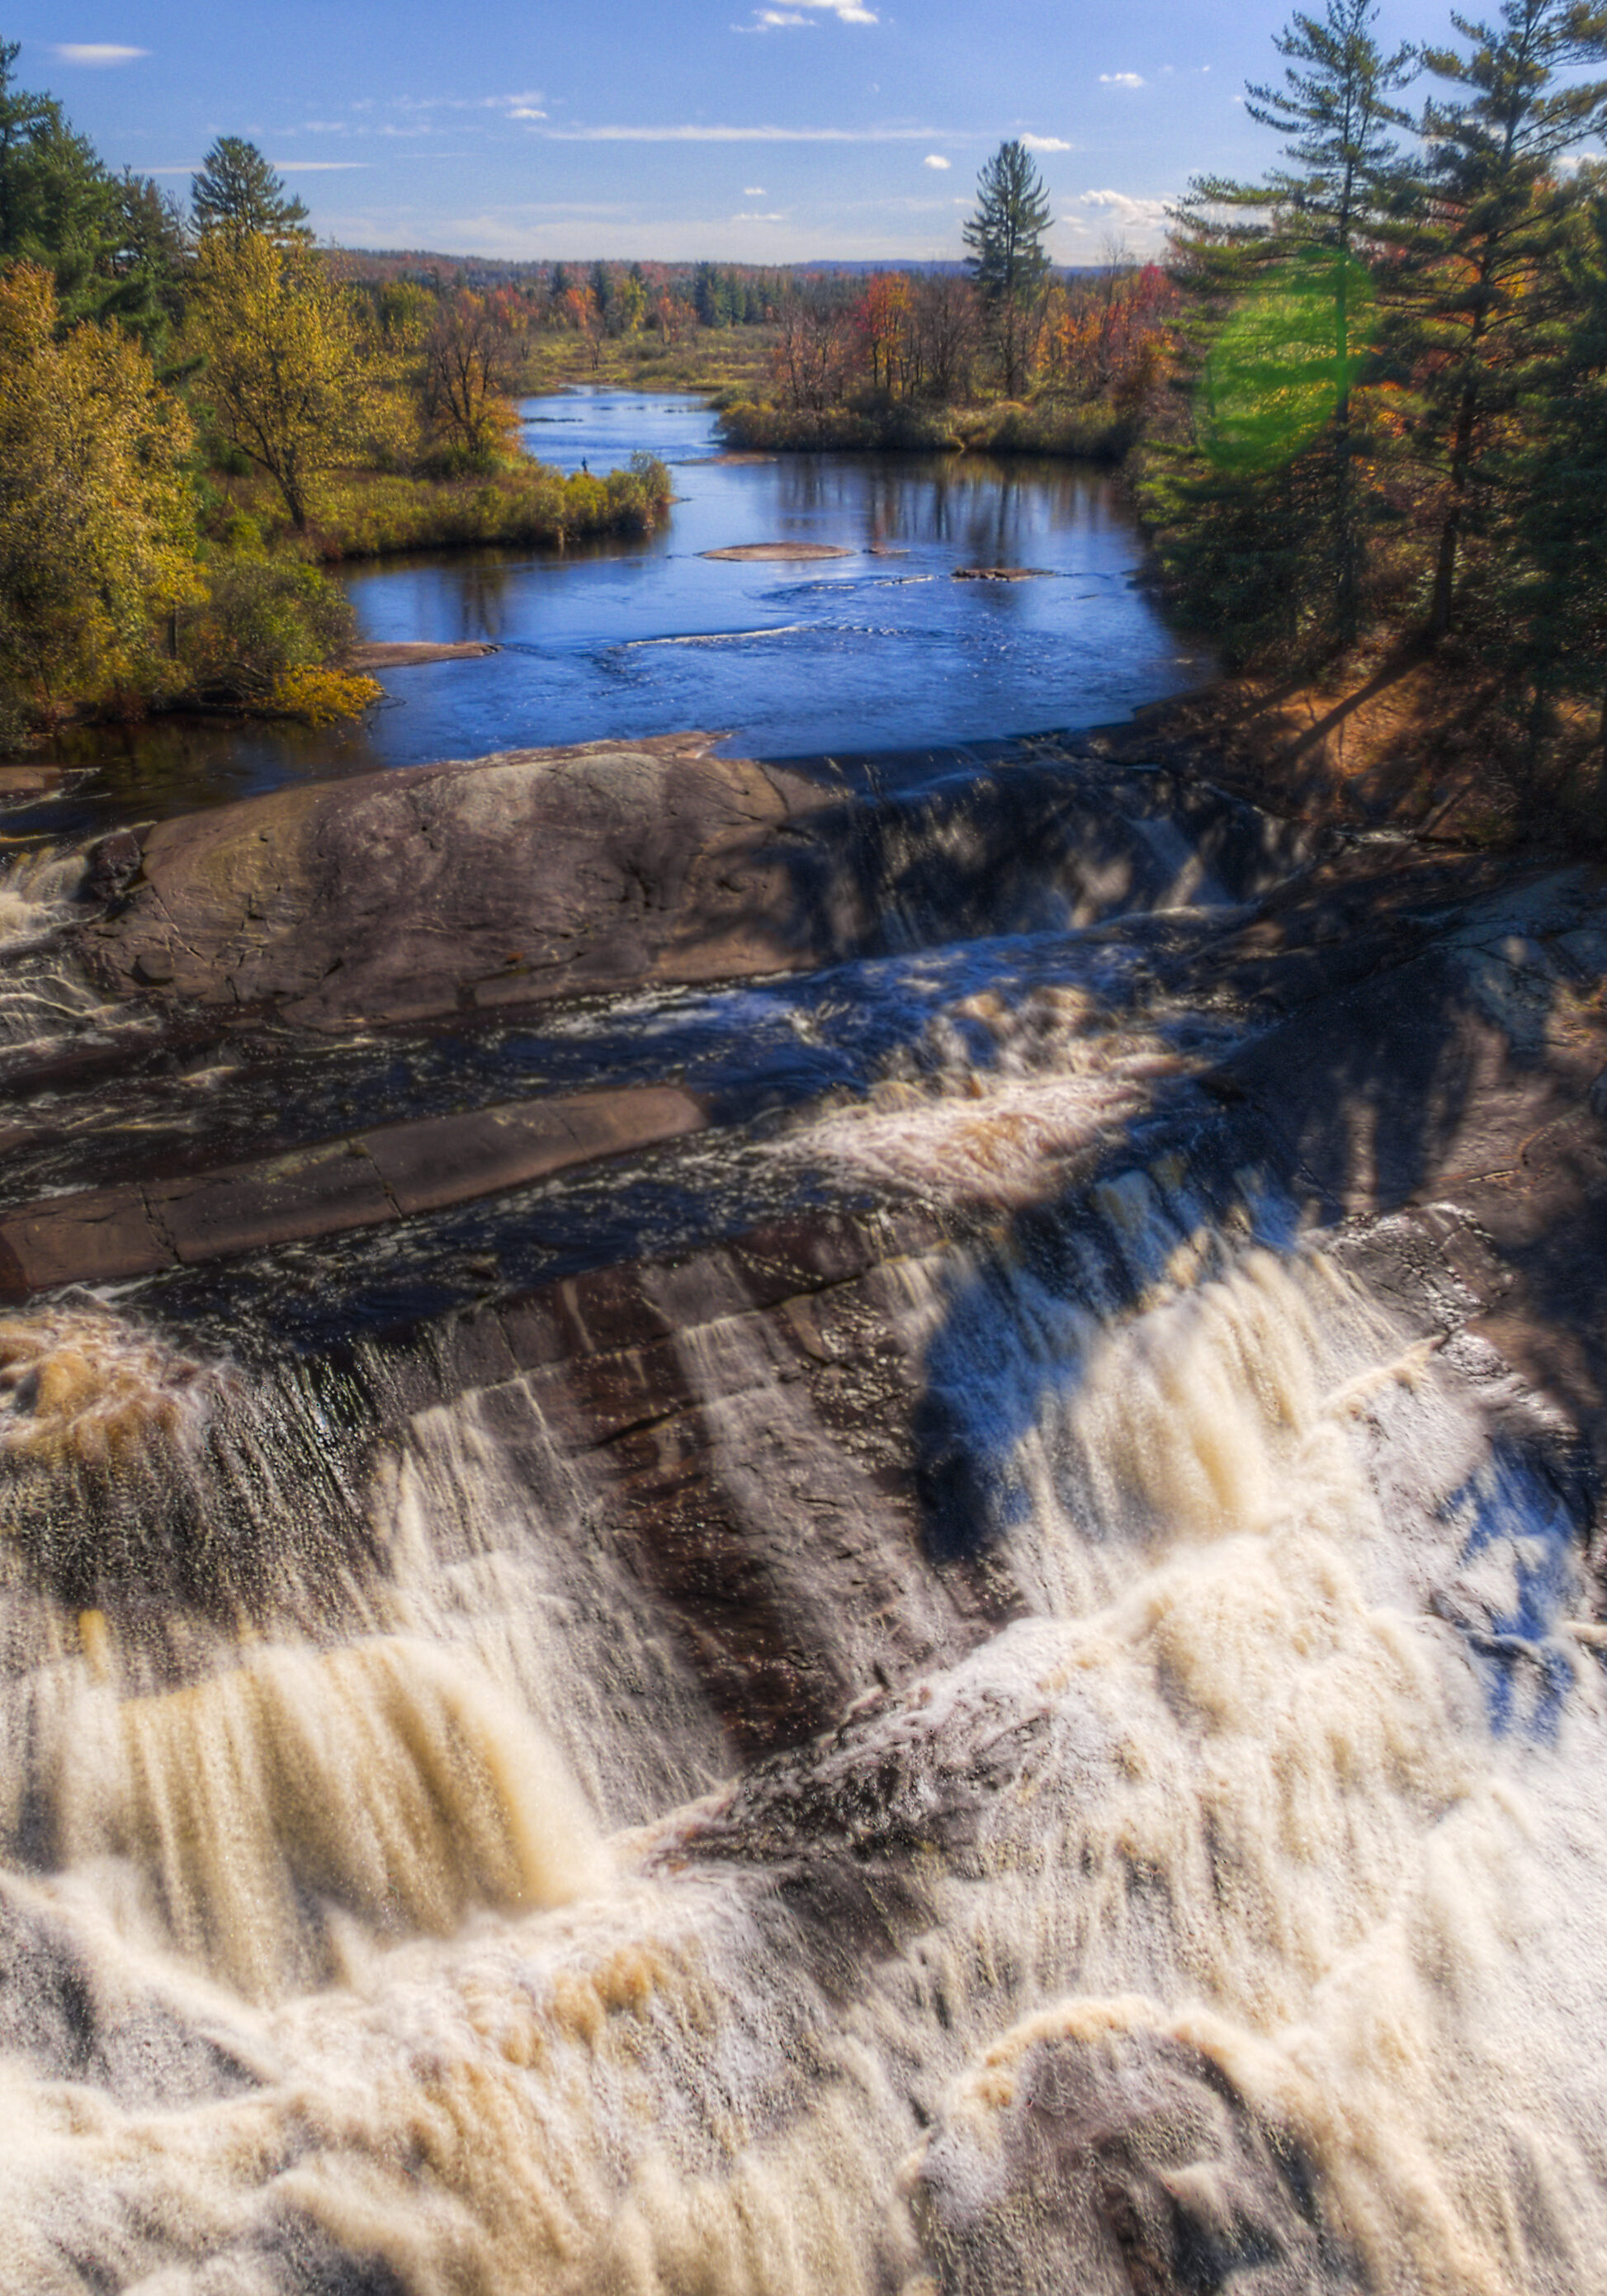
<point x="780" y="1526"/>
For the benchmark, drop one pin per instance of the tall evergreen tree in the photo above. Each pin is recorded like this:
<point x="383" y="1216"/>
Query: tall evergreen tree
<point x="1008" y="262"/>
<point x="1485" y="251"/>
<point x="1337" y="116"/>
<point x="1559" y="593"/>
<point x="1278" y="273"/>
<point x="237" y="195"/>
<point x="56" y="199"/>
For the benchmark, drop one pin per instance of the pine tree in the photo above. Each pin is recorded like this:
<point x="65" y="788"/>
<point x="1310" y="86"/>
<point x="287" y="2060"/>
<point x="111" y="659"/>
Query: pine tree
<point x="1558" y="596"/>
<point x="57" y="201"/>
<point x="1276" y="270"/>
<point x="1484" y="253"/>
<point x="236" y="195"/>
<point x="1008" y="262"/>
<point x="705" y="295"/>
<point x="1335" y="112"/>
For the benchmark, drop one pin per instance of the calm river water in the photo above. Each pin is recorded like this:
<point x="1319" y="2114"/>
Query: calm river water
<point x="881" y="649"/>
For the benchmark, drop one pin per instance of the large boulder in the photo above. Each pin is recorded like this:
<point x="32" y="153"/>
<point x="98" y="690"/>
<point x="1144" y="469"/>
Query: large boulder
<point x="396" y="896"/>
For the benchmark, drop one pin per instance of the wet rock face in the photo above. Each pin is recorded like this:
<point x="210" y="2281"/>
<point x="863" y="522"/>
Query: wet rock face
<point x="538" y="874"/>
<point x="1112" y="2161"/>
<point x="545" y="873"/>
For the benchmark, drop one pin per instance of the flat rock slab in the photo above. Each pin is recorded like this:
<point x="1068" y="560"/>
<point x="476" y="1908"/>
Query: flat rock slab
<point x="405" y="653"/>
<point x="1003" y="573"/>
<point x="108" y="1236"/>
<point x="21" y="781"/>
<point x="783" y="553"/>
<point x="442" y="891"/>
<point x="431" y="890"/>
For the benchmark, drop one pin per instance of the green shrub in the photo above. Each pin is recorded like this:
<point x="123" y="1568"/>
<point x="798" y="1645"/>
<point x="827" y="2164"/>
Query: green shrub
<point x="263" y="617"/>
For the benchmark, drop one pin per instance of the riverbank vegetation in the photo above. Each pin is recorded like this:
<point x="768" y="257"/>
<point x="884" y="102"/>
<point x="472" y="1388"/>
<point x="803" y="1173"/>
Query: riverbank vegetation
<point x="198" y="412"/>
<point x="1387" y="455"/>
<point x="1005" y="359"/>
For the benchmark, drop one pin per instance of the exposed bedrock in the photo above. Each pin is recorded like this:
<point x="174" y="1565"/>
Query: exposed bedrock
<point x="542" y="873"/>
<point x="1015" y="1625"/>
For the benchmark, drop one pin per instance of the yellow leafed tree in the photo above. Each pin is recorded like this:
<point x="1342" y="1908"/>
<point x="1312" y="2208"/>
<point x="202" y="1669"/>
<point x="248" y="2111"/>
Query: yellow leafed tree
<point x="97" y="534"/>
<point x="287" y="370"/>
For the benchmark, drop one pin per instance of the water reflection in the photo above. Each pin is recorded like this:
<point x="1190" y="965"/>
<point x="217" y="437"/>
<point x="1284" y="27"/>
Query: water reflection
<point x="883" y="648"/>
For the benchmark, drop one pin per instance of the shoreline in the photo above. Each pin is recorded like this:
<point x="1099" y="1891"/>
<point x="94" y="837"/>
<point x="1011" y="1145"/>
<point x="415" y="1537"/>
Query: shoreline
<point x="1397" y="739"/>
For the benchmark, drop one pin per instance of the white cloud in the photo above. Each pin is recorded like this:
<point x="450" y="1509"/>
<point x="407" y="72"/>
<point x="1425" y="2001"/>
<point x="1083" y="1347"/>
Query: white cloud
<point x="1043" y="144"/>
<point x="1121" y="80"/>
<point x="280" y="167"/>
<point x="779" y="216"/>
<point x="776" y="19"/>
<point x="753" y="190"/>
<point x="936" y="159"/>
<point x="96" y="53"/>
<point x="1141" y="224"/>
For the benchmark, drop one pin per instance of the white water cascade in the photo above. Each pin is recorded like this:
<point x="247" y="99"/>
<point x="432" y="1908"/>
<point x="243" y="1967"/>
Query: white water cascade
<point x="1229" y="1886"/>
<point x="1029" y="1719"/>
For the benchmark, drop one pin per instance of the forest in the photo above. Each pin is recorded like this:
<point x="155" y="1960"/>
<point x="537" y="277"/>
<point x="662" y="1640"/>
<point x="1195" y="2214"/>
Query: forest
<point x="1388" y="424"/>
<point x="200" y="411"/>
<point x="1362" y="404"/>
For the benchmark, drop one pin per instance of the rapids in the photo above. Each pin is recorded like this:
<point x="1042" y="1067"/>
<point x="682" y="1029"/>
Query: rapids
<point x="981" y="1672"/>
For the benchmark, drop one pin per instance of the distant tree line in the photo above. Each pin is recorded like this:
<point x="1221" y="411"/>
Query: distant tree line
<point x="1005" y="326"/>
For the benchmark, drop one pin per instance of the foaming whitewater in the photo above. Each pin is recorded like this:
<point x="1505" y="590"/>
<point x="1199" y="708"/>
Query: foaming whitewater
<point x="1225" y="1897"/>
<point x="1036" y="1725"/>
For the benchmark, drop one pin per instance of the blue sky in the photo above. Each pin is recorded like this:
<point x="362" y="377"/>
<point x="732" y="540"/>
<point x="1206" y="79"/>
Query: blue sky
<point x="780" y="131"/>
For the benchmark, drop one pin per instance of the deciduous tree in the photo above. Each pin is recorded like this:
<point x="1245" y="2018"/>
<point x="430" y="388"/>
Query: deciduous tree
<point x="96" y="522"/>
<point x="883" y="316"/>
<point x="285" y="372"/>
<point x="469" y="364"/>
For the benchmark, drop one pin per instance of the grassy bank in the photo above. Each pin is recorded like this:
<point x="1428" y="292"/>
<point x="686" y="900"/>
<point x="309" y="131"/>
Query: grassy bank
<point x="1092" y="433"/>
<point x="373" y="513"/>
<point x="723" y="360"/>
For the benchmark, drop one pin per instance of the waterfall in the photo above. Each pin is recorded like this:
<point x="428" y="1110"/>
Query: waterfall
<point x="1027" y="1715"/>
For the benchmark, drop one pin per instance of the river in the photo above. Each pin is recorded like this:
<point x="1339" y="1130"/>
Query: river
<point x="879" y="649"/>
<point x="809" y="1506"/>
